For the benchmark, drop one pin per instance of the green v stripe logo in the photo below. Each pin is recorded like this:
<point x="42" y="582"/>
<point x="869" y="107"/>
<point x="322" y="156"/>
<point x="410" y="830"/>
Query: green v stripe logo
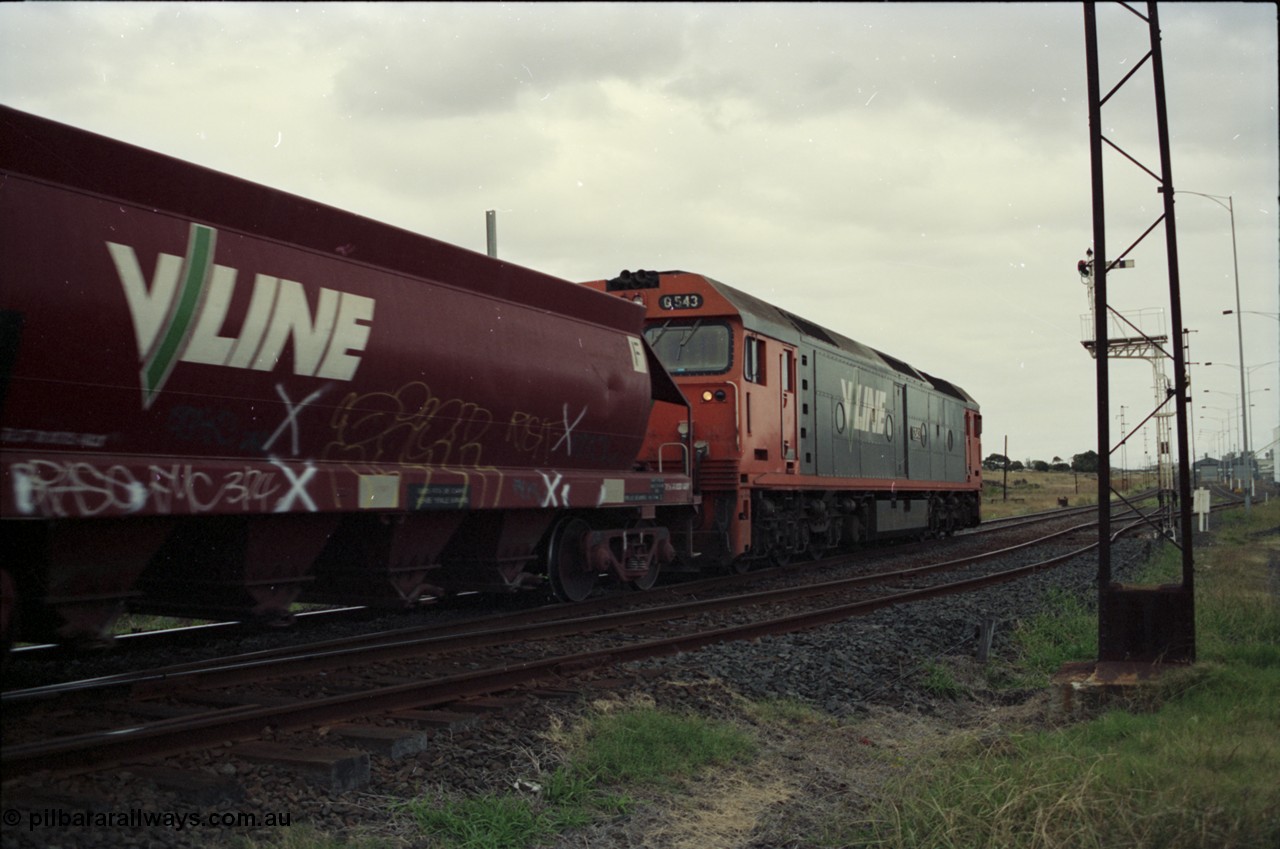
<point x="178" y="323"/>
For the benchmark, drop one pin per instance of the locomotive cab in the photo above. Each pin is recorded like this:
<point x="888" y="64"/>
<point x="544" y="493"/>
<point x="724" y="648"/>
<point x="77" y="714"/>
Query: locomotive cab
<point x="740" y="388"/>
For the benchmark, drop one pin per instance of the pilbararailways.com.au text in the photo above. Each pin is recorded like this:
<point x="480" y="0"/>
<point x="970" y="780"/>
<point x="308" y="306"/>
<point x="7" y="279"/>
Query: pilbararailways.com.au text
<point x="134" y="818"/>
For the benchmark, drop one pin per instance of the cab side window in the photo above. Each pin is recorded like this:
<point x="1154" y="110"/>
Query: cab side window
<point x="753" y="360"/>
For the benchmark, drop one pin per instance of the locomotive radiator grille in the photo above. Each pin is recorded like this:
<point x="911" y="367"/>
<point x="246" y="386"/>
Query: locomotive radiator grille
<point x="718" y="474"/>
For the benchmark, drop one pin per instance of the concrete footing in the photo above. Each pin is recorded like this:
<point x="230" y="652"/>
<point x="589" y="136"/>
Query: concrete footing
<point x="1088" y="688"/>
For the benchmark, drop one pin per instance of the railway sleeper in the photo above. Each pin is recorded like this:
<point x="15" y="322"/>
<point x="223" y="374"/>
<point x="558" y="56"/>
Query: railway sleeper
<point x="335" y="768"/>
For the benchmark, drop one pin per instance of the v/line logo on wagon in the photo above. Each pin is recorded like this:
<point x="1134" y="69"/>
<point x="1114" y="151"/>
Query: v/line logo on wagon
<point x="179" y="318"/>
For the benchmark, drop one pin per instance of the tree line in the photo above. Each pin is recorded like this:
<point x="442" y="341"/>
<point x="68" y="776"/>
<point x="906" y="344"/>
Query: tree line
<point x="1085" y="462"/>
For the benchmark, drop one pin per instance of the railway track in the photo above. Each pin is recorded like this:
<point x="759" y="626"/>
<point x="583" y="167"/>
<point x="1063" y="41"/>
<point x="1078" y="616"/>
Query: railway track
<point x="375" y="678"/>
<point x="27" y="664"/>
<point x="51" y="668"/>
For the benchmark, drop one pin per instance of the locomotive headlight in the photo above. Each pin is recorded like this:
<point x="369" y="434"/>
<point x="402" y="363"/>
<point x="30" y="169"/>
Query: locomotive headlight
<point x="683" y="428"/>
<point x="706" y="395"/>
<point x="720" y="396"/>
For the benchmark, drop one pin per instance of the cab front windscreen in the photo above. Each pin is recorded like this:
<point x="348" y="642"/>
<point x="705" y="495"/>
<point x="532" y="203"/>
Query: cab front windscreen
<point x="695" y="347"/>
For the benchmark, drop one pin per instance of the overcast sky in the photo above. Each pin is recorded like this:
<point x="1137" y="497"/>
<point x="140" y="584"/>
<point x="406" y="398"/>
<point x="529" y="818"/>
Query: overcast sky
<point x="914" y="176"/>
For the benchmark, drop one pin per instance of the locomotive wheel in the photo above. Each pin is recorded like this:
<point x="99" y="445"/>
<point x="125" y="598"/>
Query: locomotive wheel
<point x="935" y="518"/>
<point x="571" y="577"/>
<point x="819" y="544"/>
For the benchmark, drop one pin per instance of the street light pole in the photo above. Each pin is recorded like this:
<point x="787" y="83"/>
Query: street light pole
<point x="1249" y="393"/>
<point x="1244" y="397"/>
<point x="1275" y="317"/>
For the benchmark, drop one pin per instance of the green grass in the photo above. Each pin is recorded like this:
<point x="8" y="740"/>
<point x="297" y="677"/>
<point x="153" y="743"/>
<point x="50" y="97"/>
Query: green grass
<point x="638" y="747"/>
<point x="1069" y="631"/>
<point x="940" y="683"/>
<point x="566" y="800"/>
<point x="649" y="747"/>
<point x="1200" y="771"/>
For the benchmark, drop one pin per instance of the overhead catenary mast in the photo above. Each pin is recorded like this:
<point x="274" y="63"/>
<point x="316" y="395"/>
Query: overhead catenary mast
<point x="1154" y="624"/>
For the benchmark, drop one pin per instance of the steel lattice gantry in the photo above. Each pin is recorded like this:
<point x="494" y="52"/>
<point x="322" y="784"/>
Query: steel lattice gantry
<point x="1147" y="624"/>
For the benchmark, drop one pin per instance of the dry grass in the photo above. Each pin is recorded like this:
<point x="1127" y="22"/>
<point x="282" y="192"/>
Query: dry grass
<point x="723" y="811"/>
<point x="1029" y="491"/>
<point x="1033" y="492"/>
<point x="1200" y="771"/>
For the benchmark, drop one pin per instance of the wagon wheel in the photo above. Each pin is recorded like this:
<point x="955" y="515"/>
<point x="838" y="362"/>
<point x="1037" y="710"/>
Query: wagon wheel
<point x="572" y="578"/>
<point x="648" y="579"/>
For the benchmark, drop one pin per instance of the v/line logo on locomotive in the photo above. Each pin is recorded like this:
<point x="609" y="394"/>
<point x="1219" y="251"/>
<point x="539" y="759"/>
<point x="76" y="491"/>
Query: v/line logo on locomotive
<point x="869" y="413"/>
<point x="179" y="318"/>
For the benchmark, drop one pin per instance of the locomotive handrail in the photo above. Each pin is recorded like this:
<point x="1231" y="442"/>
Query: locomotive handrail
<point x="684" y="451"/>
<point x="737" y="417"/>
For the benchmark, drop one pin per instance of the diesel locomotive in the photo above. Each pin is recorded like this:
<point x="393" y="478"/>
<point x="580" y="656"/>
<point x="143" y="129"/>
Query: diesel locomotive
<point x="802" y="440"/>
<point x="218" y="399"/>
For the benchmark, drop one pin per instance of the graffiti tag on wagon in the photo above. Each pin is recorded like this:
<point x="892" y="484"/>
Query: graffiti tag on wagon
<point x="411" y="425"/>
<point x="67" y="488"/>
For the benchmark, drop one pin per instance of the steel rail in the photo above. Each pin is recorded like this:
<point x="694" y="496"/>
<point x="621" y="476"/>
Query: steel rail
<point x="142" y="640"/>
<point x="255" y="666"/>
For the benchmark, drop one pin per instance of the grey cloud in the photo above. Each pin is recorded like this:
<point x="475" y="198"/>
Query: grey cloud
<point x="780" y="63"/>
<point x="824" y="59"/>
<point x="442" y="61"/>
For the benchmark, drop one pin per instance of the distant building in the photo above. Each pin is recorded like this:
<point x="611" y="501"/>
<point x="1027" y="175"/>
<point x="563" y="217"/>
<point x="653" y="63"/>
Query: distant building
<point x="1275" y="467"/>
<point x="1207" y="470"/>
<point x="1267" y="466"/>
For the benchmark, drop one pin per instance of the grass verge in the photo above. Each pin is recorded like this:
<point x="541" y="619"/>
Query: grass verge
<point x="1198" y="772"/>
<point x="637" y="747"/>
